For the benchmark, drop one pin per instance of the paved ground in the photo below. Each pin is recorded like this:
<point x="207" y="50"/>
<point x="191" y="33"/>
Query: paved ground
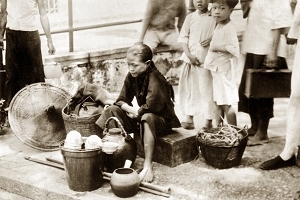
<point x="192" y="180"/>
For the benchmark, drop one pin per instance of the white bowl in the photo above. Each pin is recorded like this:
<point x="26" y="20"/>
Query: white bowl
<point x="73" y="140"/>
<point x="93" y="142"/>
<point x="72" y="145"/>
<point x="52" y="70"/>
<point x="109" y="147"/>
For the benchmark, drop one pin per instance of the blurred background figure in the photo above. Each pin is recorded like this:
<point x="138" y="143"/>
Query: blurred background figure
<point x="24" y="64"/>
<point x="159" y="23"/>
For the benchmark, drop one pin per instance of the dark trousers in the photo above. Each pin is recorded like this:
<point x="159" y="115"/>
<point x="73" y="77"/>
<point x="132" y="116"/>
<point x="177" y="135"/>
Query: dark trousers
<point x="24" y="64"/>
<point x="261" y="108"/>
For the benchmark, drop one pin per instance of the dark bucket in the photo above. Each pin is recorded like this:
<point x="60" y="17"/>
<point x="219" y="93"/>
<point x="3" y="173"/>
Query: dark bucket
<point x="83" y="168"/>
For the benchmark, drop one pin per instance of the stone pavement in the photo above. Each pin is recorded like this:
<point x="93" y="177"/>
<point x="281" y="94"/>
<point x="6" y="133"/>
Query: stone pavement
<point x="192" y="180"/>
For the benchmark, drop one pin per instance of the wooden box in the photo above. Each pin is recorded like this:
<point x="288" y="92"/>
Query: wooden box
<point x="261" y="83"/>
<point x="177" y="148"/>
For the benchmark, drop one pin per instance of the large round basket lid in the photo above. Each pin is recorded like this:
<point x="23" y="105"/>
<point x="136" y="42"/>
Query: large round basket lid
<point x="35" y="115"/>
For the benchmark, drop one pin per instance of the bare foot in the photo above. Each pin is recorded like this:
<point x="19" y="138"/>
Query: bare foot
<point x="251" y="131"/>
<point x="149" y="175"/>
<point x="260" y="136"/>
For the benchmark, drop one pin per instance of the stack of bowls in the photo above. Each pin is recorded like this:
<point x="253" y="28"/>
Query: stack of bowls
<point x="93" y="142"/>
<point x="73" y="140"/>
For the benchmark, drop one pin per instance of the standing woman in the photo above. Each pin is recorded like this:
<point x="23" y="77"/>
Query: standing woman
<point x="266" y="24"/>
<point x="24" y="64"/>
<point x="155" y="111"/>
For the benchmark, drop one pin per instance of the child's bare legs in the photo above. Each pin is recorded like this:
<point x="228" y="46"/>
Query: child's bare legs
<point x="208" y="124"/>
<point x="230" y="114"/>
<point x="188" y="123"/>
<point x="189" y="119"/>
<point x="220" y="119"/>
<point x="149" y="143"/>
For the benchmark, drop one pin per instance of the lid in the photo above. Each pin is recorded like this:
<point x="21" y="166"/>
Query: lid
<point x="35" y="115"/>
<point x="114" y="131"/>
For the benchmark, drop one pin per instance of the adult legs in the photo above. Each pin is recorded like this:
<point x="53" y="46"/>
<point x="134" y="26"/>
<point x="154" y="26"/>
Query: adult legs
<point x="149" y="142"/>
<point x="24" y="64"/>
<point x="260" y="110"/>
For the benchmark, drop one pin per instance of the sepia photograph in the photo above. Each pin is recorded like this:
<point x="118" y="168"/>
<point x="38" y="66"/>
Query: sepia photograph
<point x="149" y="99"/>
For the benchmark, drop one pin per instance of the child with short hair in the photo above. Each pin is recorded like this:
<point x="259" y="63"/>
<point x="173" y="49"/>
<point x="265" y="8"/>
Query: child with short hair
<point x="195" y="88"/>
<point x="220" y="59"/>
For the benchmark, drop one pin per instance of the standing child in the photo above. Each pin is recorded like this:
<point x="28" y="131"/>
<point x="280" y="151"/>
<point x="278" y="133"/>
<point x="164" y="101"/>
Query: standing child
<point x="195" y="89"/>
<point x="220" y="59"/>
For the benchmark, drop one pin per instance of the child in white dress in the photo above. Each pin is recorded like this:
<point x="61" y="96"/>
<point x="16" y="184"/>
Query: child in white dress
<point x="195" y="83"/>
<point x="221" y="58"/>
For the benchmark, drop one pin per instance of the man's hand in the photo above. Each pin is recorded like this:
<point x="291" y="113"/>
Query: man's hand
<point x="291" y="41"/>
<point x="1" y="45"/>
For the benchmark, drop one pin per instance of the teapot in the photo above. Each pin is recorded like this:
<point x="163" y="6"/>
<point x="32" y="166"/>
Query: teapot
<point x="126" y="150"/>
<point x="125" y="181"/>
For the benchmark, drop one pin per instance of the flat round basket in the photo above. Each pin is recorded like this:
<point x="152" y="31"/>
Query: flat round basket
<point x="35" y="115"/>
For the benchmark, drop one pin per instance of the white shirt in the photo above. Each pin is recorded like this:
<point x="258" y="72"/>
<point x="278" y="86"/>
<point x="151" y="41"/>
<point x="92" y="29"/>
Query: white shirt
<point x="265" y="15"/>
<point x="21" y="15"/>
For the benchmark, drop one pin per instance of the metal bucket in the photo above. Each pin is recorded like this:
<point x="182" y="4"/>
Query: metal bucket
<point x="83" y="168"/>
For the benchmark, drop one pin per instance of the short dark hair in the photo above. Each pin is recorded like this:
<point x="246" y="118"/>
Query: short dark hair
<point x="230" y="3"/>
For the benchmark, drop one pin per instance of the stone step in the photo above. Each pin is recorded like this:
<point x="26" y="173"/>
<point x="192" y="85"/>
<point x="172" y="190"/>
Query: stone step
<point x="174" y="149"/>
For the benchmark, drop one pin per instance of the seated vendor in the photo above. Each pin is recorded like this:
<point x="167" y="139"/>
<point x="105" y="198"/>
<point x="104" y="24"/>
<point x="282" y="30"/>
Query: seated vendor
<point x="155" y="111"/>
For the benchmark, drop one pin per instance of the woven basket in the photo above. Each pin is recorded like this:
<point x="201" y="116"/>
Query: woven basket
<point x="86" y="126"/>
<point x="223" y="157"/>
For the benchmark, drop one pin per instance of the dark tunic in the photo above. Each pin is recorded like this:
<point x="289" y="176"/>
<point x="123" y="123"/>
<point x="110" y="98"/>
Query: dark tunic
<point x="154" y="97"/>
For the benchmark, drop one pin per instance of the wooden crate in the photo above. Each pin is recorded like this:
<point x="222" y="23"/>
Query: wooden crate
<point x="174" y="149"/>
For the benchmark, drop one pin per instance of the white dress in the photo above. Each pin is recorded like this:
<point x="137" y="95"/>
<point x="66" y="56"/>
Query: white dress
<point x="195" y="83"/>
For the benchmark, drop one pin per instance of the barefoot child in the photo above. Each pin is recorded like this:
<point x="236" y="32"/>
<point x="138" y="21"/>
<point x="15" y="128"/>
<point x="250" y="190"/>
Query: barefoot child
<point x="224" y="48"/>
<point x="155" y="112"/>
<point x="195" y="89"/>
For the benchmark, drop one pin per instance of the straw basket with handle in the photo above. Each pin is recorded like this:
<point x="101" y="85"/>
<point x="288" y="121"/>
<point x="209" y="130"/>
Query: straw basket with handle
<point x="222" y="147"/>
<point x="84" y="124"/>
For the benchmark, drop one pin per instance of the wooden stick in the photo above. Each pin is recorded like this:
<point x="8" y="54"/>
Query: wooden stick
<point x="151" y="186"/>
<point x="54" y="160"/>
<point x="56" y="165"/>
<point x="154" y="191"/>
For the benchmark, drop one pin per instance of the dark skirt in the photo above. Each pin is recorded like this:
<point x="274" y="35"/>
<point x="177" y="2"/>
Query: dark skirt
<point x="158" y="125"/>
<point x="262" y="108"/>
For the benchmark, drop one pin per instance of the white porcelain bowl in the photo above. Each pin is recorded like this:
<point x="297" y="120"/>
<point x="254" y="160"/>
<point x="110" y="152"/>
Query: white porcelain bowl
<point x="52" y="70"/>
<point x="109" y="147"/>
<point x="73" y="140"/>
<point x="93" y="142"/>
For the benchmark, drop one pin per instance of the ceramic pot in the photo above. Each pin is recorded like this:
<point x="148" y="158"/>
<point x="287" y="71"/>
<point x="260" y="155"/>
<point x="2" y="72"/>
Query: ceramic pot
<point x="125" y="182"/>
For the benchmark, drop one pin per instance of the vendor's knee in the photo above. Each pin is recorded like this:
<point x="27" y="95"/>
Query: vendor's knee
<point x="148" y="117"/>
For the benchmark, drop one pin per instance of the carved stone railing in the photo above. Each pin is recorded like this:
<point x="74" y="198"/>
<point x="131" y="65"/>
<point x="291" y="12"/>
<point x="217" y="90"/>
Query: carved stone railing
<point x="107" y="68"/>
